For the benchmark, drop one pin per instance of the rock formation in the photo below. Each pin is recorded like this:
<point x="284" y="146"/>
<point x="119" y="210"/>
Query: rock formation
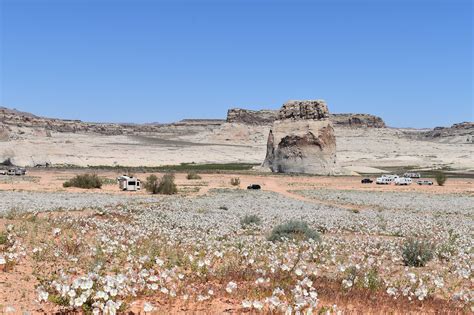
<point x="357" y="120"/>
<point x="251" y="117"/>
<point x="302" y="140"/>
<point x="267" y="117"/>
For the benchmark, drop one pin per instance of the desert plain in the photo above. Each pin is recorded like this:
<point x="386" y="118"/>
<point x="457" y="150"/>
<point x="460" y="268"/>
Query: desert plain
<point x="214" y="246"/>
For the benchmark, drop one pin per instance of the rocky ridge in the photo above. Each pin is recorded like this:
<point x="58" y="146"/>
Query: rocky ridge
<point x="267" y="117"/>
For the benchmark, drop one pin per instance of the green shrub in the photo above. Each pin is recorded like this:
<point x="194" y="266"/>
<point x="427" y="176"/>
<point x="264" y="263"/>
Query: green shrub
<point x="165" y="186"/>
<point x="151" y="184"/>
<point x="86" y="181"/>
<point x="449" y="248"/>
<point x="235" y="181"/>
<point x="293" y="230"/>
<point x="416" y="253"/>
<point x="440" y="178"/>
<point x="3" y="238"/>
<point x="252" y="219"/>
<point x="193" y="175"/>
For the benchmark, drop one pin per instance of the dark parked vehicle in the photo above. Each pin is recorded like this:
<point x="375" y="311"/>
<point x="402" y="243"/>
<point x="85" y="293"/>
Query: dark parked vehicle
<point x="366" y="181"/>
<point x="254" y="186"/>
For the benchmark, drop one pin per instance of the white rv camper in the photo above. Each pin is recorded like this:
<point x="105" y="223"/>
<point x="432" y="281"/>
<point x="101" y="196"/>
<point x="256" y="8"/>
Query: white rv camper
<point x="127" y="183"/>
<point x="403" y="181"/>
<point x="386" y="179"/>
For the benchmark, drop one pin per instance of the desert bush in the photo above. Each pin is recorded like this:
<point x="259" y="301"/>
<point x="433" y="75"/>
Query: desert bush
<point x="252" y="219"/>
<point x="193" y="175"/>
<point x="86" y="181"/>
<point x="165" y="186"/>
<point x="235" y="181"/>
<point x="416" y="253"/>
<point x="440" y="178"/>
<point x="151" y="184"/>
<point x="3" y="238"/>
<point x="293" y="230"/>
<point x="449" y="248"/>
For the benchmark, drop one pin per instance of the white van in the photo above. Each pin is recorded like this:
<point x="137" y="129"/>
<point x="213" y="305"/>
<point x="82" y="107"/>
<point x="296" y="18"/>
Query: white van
<point x="403" y="181"/>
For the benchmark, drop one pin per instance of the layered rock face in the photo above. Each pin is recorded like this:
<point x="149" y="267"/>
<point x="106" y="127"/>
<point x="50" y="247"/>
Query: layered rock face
<point x="251" y="117"/>
<point x="357" y="120"/>
<point x="302" y="140"/>
<point x="267" y="117"/>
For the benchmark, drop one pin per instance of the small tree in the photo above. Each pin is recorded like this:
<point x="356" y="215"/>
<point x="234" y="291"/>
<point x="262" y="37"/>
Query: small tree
<point x="235" y="181"/>
<point x="440" y="178"/>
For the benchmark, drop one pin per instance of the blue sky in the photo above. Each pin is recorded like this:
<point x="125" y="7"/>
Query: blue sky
<point x="160" y="61"/>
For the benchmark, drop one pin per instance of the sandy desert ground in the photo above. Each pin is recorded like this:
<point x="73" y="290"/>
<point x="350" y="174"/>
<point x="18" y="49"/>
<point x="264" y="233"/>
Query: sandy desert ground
<point x="105" y="250"/>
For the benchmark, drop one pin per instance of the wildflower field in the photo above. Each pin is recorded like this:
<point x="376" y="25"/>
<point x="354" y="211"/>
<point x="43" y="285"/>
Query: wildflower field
<point x="233" y="250"/>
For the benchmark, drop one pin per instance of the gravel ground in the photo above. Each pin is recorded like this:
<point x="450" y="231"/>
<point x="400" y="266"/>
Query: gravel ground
<point x="221" y="211"/>
<point x="452" y="203"/>
<point x="49" y="201"/>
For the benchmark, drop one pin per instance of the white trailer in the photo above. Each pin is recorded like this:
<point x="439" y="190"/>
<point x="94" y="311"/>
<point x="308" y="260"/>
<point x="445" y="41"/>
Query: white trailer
<point x="386" y="179"/>
<point x="127" y="183"/>
<point x="403" y="181"/>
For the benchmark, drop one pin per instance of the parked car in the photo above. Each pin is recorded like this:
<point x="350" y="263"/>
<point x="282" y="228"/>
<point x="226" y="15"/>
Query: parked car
<point x="366" y="181"/>
<point x="424" y="182"/>
<point x="11" y="172"/>
<point x="3" y="172"/>
<point x="403" y="181"/>
<point x="254" y="186"/>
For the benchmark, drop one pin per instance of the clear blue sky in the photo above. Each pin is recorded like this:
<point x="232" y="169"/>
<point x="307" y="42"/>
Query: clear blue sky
<point x="409" y="61"/>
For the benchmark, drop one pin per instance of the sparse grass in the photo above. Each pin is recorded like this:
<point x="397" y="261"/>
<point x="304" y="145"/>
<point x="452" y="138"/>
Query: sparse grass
<point x="293" y="230"/>
<point x="249" y="220"/>
<point x="108" y="181"/>
<point x="86" y="181"/>
<point x="183" y="167"/>
<point x="193" y="175"/>
<point x="416" y="253"/>
<point x="235" y="181"/>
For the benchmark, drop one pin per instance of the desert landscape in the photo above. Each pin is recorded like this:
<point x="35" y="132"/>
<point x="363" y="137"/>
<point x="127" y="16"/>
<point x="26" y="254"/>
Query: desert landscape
<point x="206" y="157"/>
<point x="302" y="243"/>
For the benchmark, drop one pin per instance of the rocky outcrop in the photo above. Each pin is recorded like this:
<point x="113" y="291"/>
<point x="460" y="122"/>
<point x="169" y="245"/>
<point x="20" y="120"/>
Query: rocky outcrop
<point x="251" y="117"/>
<point x="267" y="117"/>
<point x="464" y="129"/>
<point x="357" y="120"/>
<point x="302" y="140"/>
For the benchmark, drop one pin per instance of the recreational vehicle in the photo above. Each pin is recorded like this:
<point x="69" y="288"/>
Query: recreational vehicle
<point x="127" y="183"/>
<point x="386" y="179"/>
<point x="412" y="175"/>
<point x="403" y="181"/>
